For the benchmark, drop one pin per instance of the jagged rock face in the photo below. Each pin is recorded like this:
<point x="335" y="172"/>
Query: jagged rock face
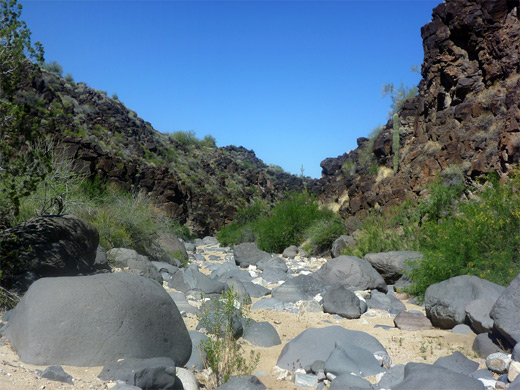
<point x="200" y="186"/>
<point x="466" y="116"/>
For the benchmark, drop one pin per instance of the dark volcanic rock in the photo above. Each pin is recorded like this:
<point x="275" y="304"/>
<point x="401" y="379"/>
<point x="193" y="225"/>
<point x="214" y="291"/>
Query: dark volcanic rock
<point x="431" y="377"/>
<point x="153" y="373"/>
<point x="340" y="300"/>
<point x="465" y="114"/>
<point x="506" y="313"/>
<point x="132" y="262"/>
<point x="299" y="288"/>
<point x="353" y="272"/>
<point x="248" y="254"/>
<point x="317" y="344"/>
<point x="391" y="265"/>
<point x="49" y="246"/>
<point x="446" y="302"/>
<point x="139" y="319"/>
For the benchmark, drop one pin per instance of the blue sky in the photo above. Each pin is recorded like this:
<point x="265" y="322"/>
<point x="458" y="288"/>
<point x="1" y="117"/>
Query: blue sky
<point x="296" y="81"/>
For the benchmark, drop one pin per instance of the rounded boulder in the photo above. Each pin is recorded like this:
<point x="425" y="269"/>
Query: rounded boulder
<point x="95" y="320"/>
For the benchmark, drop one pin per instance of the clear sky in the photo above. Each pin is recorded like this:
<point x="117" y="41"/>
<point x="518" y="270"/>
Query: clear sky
<point x="296" y="81"/>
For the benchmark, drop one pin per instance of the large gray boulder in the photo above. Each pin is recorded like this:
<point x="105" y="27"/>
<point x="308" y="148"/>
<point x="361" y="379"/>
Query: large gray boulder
<point x="340" y="300"/>
<point x="132" y="262"/>
<point x="170" y="249"/>
<point x="48" y="246"/>
<point x="191" y="280"/>
<point x="247" y="254"/>
<point x="351" y="359"/>
<point x="391" y="265"/>
<point x="446" y="302"/>
<point x="94" y="320"/>
<point x="299" y="288"/>
<point x="433" y="377"/>
<point x="317" y="344"/>
<point x="340" y="244"/>
<point x="353" y="272"/>
<point x="506" y="312"/>
<point x="457" y="362"/>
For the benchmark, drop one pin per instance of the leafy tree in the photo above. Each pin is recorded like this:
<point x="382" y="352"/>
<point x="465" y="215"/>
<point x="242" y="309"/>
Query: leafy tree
<point x="22" y="165"/>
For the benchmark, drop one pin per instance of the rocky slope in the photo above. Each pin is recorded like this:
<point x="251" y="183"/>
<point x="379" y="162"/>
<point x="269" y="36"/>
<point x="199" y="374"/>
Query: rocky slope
<point x="463" y="123"/>
<point x="195" y="182"/>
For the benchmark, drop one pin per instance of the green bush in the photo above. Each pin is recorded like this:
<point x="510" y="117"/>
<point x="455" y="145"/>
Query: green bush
<point x="294" y="220"/>
<point x="209" y="141"/>
<point x="322" y="233"/>
<point x="223" y="353"/>
<point x="480" y="238"/>
<point x="53" y="67"/>
<point x="243" y="227"/>
<point x="187" y="138"/>
<point x="287" y="222"/>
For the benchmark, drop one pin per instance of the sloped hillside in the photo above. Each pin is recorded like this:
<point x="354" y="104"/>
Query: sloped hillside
<point x="193" y="180"/>
<point x="463" y="123"/>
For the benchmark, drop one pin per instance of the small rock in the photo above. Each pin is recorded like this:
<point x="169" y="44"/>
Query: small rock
<point x="498" y="362"/>
<point x="462" y="329"/>
<point x="412" y="321"/>
<point x="514" y="371"/>
<point x="305" y="380"/>
<point x="56" y="373"/>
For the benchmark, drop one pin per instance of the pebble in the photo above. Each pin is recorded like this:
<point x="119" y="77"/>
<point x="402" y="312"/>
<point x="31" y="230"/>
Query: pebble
<point x="498" y="362"/>
<point x="305" y="380"/>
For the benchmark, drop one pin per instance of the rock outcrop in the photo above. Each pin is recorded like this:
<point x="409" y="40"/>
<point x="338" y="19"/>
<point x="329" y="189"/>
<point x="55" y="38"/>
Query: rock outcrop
<point x="464" y="122"/>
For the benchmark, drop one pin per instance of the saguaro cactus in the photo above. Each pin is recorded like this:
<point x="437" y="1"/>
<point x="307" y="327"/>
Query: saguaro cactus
<point x="395" y="143"/>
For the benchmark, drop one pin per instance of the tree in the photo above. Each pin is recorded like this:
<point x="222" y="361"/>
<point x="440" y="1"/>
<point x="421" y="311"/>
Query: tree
<point x="22" y="165"/>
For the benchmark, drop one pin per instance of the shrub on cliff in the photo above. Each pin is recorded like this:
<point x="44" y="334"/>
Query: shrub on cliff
<point x="481" y="238"/>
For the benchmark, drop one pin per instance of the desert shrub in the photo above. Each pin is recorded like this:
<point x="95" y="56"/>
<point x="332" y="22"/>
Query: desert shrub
<point x="398" y="95"/>
<point x="60" y="190"/>
<point x="480" y="238"/>
<point x="286" y="223"/>
<point x="69" y="77"/>
<point x="401" y="227"/>
<point x="242" y="229"/>
<point x="223" y="353"/>
<point x="124" y="220"/>
<point x="322" y="233"/>
<point x="187" y="138"/>
<point x="208" y="141"/>
<point x="53" y="67"/>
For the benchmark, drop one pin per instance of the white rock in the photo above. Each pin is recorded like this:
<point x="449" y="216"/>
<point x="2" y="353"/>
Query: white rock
<point x="305" y="380"/>
<point x="188" y="380"/>
<point x="514" y="371"/>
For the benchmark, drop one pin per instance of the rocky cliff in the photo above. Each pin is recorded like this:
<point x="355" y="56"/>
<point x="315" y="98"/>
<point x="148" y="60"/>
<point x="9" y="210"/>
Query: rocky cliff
<point x="197" y="183"/>
<point x="463" y="123"/>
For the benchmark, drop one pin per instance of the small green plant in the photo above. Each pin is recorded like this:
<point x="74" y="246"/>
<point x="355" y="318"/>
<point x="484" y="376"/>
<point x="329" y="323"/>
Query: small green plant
<point x="115" y="97"/>
<point x="69" y="77"/>
<point x="223" y="353"/>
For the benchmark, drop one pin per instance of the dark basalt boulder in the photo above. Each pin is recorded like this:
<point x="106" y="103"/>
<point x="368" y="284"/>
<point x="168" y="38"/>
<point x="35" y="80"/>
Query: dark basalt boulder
<point x="47" y="246"/>
<point x="94" y="320"/>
